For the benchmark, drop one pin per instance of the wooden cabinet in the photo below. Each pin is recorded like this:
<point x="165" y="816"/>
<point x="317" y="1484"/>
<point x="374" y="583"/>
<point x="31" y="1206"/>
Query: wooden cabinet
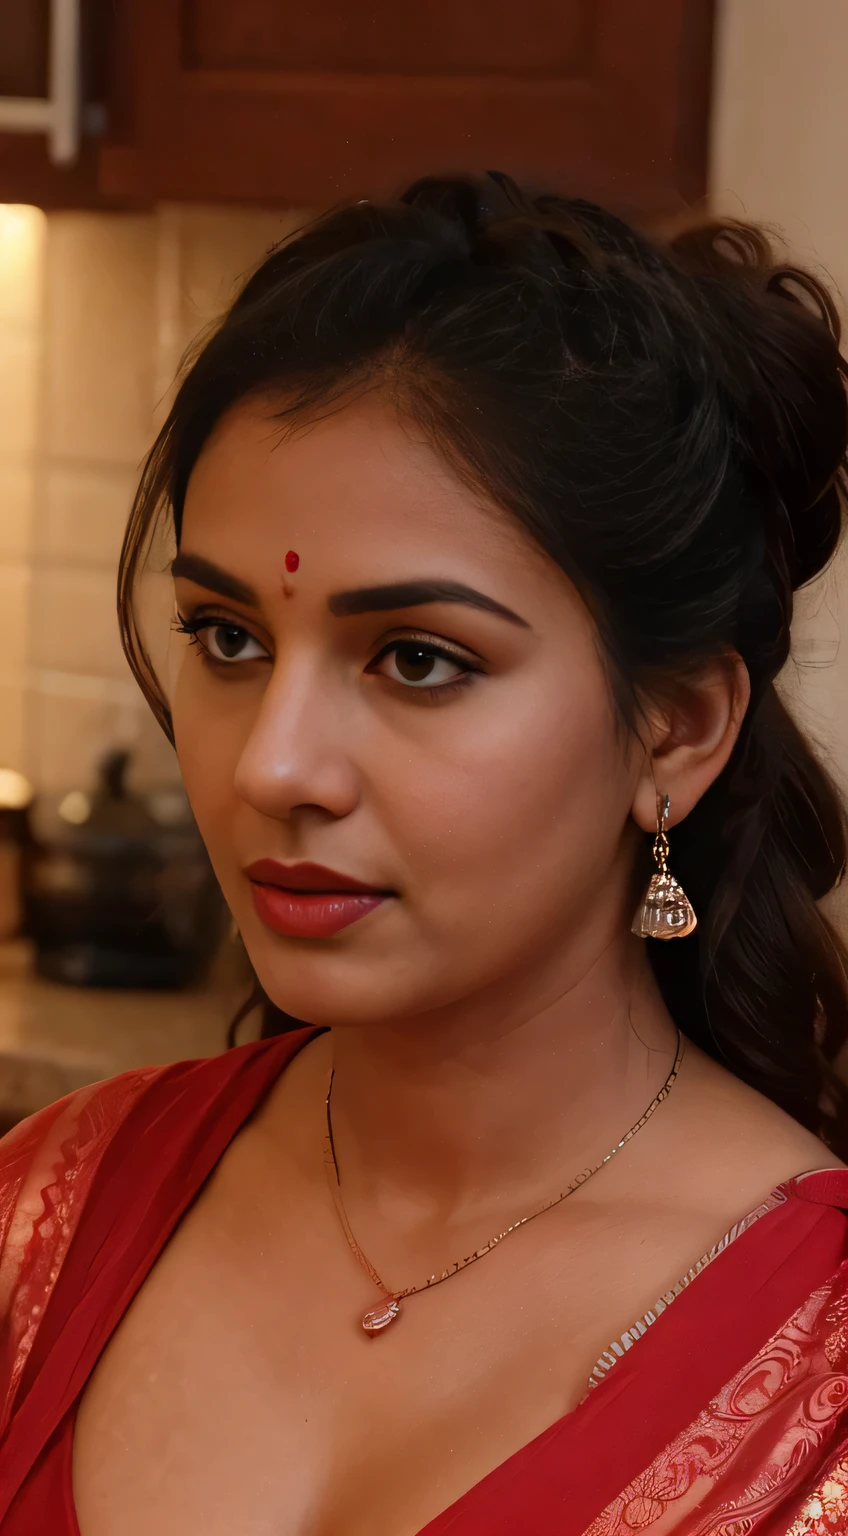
<point x="270" y="100"/>
<point x="27" y="173"/>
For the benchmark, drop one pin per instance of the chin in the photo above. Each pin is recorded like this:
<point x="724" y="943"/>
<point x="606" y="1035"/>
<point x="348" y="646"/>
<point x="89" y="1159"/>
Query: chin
<point x="339" y="990"/>
<point x="318" y="983"/>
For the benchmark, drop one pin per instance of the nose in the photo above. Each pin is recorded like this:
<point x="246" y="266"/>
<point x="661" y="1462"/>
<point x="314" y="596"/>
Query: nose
<point x="297" y="754"/>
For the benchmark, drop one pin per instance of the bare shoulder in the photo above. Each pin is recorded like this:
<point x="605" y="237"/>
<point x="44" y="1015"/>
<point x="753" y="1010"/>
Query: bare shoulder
<point x="735" y="1142"/>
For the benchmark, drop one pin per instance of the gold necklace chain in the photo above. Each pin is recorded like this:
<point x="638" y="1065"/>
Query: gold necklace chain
<point x="378" y="1318"/>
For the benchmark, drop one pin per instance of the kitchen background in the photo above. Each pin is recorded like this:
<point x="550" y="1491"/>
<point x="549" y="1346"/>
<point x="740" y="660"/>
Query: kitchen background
<point x="112" y="262"/>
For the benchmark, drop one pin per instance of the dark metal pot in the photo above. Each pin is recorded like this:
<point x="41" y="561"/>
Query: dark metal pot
<point x="118" y="889"/>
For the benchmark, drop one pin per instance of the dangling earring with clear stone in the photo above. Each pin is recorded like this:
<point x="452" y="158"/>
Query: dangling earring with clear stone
<point x="665" y="911"/>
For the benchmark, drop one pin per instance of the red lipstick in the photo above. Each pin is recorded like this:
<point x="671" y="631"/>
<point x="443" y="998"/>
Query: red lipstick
<point x="308" y="901"/>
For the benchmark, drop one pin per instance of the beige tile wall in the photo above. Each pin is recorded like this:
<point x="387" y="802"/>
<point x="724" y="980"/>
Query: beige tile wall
<point x="22" y="243"/>
<point x="95" y="312"/>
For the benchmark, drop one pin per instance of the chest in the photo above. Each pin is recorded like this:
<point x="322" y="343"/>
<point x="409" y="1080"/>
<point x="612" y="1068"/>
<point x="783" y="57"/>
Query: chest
<point x="241" y="1392"/>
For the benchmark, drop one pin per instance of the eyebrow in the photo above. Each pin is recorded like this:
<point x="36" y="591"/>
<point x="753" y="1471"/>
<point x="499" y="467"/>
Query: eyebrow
<point x="343" y="605"/>
<point x="411" y="594"/>
<point x="206" y="574"/>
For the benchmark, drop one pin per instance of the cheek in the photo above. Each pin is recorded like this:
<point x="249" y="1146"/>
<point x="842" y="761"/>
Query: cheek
<point x="209" y="741"/>
<point x="530" y="798"/>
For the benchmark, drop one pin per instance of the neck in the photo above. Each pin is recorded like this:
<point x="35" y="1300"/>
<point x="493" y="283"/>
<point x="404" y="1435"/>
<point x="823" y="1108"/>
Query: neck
<point x="502" y="1099"/>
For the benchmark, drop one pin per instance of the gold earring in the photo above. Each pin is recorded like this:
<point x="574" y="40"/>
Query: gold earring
<point x="665" y="911"/>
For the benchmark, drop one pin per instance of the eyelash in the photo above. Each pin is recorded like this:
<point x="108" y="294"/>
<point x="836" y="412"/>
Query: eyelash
<point x="193" y="628"/>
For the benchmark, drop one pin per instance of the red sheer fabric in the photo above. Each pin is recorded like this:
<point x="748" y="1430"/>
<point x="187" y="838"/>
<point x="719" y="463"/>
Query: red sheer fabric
<point x="727" y="1417"/>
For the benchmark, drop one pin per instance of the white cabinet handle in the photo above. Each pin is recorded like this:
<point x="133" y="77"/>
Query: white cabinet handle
<point x="59" y="114"/>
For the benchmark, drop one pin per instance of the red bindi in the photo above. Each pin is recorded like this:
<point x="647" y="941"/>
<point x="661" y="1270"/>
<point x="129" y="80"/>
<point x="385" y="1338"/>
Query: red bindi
<point x="292" y="560"/>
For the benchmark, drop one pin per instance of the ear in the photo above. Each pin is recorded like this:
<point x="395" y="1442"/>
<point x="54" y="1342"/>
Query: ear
<point x="688" y="738"/>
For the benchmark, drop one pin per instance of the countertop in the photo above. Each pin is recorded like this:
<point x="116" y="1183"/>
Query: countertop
<point x="56" y="1038"/>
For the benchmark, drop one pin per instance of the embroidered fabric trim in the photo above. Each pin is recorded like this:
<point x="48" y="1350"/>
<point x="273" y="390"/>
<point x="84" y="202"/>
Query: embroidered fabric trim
<point x="619" y="1347"/>
<point x="825" y="1511"/>
<point x="748" y="1461"/>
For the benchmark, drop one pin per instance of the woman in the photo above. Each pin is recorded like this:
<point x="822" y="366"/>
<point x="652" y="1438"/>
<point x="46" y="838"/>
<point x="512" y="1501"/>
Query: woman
<point x="487" y="514"/>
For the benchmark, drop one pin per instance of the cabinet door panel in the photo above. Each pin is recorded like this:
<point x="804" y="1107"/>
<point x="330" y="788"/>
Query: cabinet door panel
<point x="477" y="37"/>
<point x="267" y="101"/>
<point x="23" y="48"/>
<point x="27" y="175"/>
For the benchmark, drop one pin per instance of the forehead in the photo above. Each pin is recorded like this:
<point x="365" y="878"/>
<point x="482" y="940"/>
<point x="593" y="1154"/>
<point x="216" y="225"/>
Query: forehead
<point x="359" y="482"/>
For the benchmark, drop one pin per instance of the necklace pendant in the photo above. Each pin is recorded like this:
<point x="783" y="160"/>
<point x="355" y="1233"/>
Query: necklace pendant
<point x="378" y="1318"/>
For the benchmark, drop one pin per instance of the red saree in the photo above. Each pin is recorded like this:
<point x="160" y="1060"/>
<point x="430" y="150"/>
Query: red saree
<point x="726" y="1417"/>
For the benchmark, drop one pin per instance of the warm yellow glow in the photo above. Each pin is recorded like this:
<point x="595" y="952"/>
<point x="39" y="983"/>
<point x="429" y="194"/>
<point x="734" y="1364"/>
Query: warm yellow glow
<point x="19" y="216"/>
<point x="75" y="808"/>
<point x="15" y="790"/>
<point x="22" y="230"/>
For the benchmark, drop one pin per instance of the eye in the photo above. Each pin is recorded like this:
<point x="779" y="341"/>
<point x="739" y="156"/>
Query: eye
<point x="222" y="641"/>
<point x="418" y="665"/>
<point x="229" y="642"/>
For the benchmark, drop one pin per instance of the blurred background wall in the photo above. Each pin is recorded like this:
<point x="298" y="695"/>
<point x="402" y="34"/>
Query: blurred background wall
<point x="95" y="312"/>
<point x="780" y="122"/>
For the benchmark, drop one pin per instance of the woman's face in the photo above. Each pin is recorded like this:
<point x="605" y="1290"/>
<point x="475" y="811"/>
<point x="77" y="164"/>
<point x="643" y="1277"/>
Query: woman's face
<point x="420" y="705"/>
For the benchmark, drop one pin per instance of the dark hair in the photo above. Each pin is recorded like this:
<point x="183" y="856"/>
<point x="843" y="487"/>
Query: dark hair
<point x="669" y="422"/>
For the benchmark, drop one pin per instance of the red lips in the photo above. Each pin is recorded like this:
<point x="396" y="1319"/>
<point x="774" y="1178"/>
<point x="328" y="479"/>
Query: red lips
<point x="303" y="877"/>
<point x="309" y="901"/>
